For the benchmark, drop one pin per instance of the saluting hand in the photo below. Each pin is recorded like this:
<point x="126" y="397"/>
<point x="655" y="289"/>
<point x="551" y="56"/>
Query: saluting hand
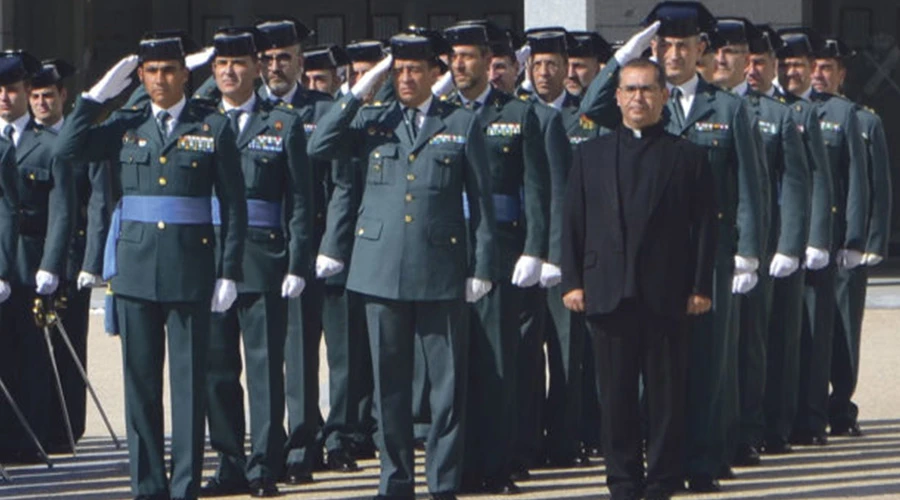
<point x="114" y="81"/>
<point x="5" y="291"/>
<point x="698" y="304"/>
<point x="574" y="300"/>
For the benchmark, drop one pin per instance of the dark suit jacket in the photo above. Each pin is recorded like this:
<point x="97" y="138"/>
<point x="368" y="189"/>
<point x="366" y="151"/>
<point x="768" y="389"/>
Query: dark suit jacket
<point x="676" y="255"/>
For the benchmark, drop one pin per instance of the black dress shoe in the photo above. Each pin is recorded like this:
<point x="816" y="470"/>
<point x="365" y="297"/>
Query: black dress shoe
<point x="594" y="451"/>
<point x="809" y="439"/>
<point x="443" y="496"/>
<point x="583" y="460"/>
<point x="726" y="472"/>
<point x="851" y="430"/>
<point x="218" y="488"/>
<point x="519" y="472"/>
<point x="703" y="484"/>
<point x="746" y="456"/>
<point x="778" y="447"/>
<point x="341" y="461"/>
<point x="471" y="484"/>
<point x="297" y="474"/>
<point x="362" y="450"/>
<point x="501" y="486"/>
<point x="263" y="488"/>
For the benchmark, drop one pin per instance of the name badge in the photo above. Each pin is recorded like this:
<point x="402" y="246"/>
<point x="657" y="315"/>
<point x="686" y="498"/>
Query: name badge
<point x="503" y="129"/>
<point x="199" y="143"/>
<point x="447" y="139"/>
<point x="268" y="143"/>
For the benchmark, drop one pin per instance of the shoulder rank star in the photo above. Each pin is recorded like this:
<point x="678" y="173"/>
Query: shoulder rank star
<point x="587" y="123"/>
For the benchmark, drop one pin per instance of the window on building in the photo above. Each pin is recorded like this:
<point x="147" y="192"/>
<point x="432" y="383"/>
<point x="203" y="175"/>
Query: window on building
<point x="504" y="20"/>
<point x="385" y="26"/>
<point x="330" y="30"/>
<point x="856" y="26"/>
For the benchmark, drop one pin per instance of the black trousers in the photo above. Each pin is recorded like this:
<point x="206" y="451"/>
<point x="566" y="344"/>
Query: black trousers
<point x="633" y="344"/>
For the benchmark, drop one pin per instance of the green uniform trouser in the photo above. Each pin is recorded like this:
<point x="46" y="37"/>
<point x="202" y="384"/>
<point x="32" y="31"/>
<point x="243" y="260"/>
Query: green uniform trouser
<point x="709" y="377"/>
<point x="27" y="372"/>
<point x="349" y="369"/>
<point x="565" y="334"/>
<point x="443" y="327"/>
<point x="811" y="415"/>
<point x="145" y="328"/>
<point x="75" y="318"/>
<point x="850" y="288"/>
<point x="301" y="376"/>
<point x="261" y="320"/>
<point x="753" y="339"/>
<point x="493" y="345"/>
<point x="530" y="379"/>
<point x="783" y="358"/>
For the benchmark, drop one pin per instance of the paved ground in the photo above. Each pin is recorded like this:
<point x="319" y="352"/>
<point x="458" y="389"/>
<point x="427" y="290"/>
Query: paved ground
<point x="867" y="467"/>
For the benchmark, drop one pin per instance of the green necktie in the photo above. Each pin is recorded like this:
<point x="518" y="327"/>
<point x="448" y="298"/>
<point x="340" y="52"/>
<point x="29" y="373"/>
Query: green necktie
<point x="411" y="122"/>
<point x="676" y="104"/>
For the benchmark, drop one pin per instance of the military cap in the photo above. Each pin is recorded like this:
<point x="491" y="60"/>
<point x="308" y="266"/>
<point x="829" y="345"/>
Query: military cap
<point x="713" y="41"/>
<point x="466" y="34"/>
<point x="282" y="32"/>
<point x="365" y="51"/>
<point x="165" y="46"/>
<point x="735" y="30"/>
<point x="439" y="44"/>
<point x="413" y="47"/>
<point x="548" y="41"/>
<point x="51" y="73"/>
<point x="17" y="65"/>
<point x="325" y="57"/>
<point x="238" y="41"/>
<point x="835" y="48"/>
<point x="765" y="41"/>
<point x="681" y="19"/>
<point x="799" y="42"/>
<point x="589" y="44"/>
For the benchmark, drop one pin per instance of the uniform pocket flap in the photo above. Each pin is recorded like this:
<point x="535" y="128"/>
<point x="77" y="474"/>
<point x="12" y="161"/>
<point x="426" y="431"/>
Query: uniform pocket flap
<point x="134" y="156"/>
<point x="36" y="174"/>
<point x="385" y="151"/>
<point x="132" y="232"/>
<point x="368" y="228"/>
<point x="262" y="235"/>
<point x="446" y="234"/>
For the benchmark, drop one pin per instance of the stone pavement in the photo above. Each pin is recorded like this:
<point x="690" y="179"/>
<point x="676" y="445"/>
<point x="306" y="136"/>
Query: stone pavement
<point x="867" y="467"/>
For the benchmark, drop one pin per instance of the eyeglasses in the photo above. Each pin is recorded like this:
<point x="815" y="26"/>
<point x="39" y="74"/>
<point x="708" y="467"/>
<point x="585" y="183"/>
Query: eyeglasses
<point x="280" y="59"/>
<point x="632" y="90"/>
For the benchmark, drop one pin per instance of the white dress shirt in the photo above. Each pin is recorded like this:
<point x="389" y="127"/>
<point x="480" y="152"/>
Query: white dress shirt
<point x="288" y="97"/>
<point x="688" y="92"/>
<point x="423" y="112"/>
<point x="18" y="124"/>
<point x="556" y="103"/>
<point x="174" y="113"/>
<point x="246" y="107"/>
<point x="480" y="99"/>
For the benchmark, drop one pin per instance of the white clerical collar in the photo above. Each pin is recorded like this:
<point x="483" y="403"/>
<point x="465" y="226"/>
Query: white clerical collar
<point x="741" y="88"/>
<point x="287" y="98"/>
<point x="480" y="99"/>
<point x="557" y="103"/>
<point x="246" y="107"/>
<point x="174" y="111"/>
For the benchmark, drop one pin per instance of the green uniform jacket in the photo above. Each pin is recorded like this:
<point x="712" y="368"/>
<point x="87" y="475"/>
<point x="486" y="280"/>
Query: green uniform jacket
<point x="158" y="262"/>
<point x="94" y="207"/>
<point x="847" y="156"/>
<point x="559" y="160"/>
<point x="347" y="181"/>
<point x="9" y="210"/>
<point x="718" y="121"/>
<point x="411" y="241"/>
<point x="518" y="163"/>
<point x="879" y="182"/>
<point x="273" y="157"/>
<point x="46" y="206"/>
<point x="789" y="175"/>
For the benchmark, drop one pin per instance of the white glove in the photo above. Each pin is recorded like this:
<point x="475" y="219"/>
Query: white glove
<point x="477" y="288"/>
<point x="88" y="280"/>
<point x="5" y="291"/>
<point x="745" y="264"/>
<point x="198" y="59"/>
<point x="816" y="258"/>
<point x="743" y="282"/>
<point x="224" y="295"/>
<point x="292" y="286"/>
<point x="444" y="84"/>
<point x="848" y="259"/>
<point x="522" y="56"/>
<point x="370" y="78"/>
<point x="345" y="88"/>
<point x="114" y="81"/>
<point x="550" y="275"/>
<point x="783" y="266"/>
<point x="527" y="271"/>
<point x="636" y="45"/>
<point x="872" y="259"/>
<point x="46" y="282"/>
<point x="327" y="267"/>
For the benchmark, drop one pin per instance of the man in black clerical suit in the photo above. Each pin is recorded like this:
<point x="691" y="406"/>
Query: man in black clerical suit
<point x="638" y="245"/>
